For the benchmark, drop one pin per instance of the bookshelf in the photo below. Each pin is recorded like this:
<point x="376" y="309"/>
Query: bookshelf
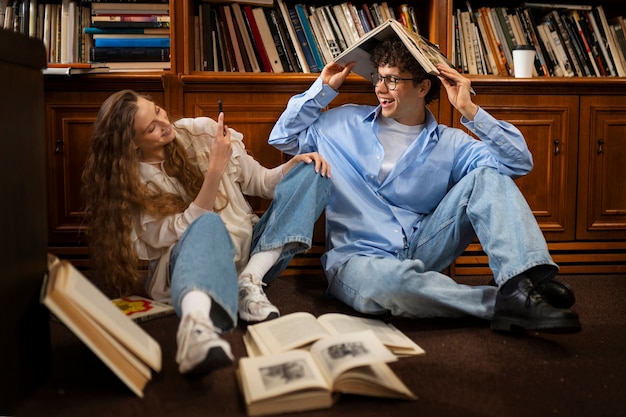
<point x="577" y="197"/>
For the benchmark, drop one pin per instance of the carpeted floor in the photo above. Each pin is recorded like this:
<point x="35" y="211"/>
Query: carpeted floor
<point x="467" y="371"/>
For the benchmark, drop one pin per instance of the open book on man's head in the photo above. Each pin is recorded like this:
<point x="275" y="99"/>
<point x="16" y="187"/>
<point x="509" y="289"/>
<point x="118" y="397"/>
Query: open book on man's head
<point x="427" y="54"/>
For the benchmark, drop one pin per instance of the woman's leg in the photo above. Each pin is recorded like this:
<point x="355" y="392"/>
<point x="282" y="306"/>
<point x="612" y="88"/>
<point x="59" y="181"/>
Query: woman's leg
<point x="204" y="293"/>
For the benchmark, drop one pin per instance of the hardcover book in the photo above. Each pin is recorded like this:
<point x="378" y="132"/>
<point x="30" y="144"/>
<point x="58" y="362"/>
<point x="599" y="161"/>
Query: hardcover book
<point x="298" y="380"/>
<point x="120" y="343"/>
<point x="299" y="330"/>
<point x="425" y="52"/>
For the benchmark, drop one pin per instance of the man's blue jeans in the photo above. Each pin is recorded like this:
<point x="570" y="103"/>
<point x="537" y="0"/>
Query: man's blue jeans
<point x="486" y="204"/>
<point x="203" y="257"/>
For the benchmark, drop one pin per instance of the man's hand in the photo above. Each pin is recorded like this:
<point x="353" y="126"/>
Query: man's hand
<point x="334" y="74"/>
<point x="458" y="89"/>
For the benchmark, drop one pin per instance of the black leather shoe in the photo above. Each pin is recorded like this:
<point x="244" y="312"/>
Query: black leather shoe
<point x="525" y="308"/>
<point x="558" y="293"/>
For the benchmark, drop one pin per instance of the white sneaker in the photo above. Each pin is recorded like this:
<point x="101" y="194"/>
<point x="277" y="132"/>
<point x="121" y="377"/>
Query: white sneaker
<point x="200" y="349"/>
<point x="253" y="303"/>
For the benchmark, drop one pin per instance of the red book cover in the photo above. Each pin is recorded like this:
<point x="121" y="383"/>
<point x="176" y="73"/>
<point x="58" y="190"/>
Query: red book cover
<point x="258" y="41"/>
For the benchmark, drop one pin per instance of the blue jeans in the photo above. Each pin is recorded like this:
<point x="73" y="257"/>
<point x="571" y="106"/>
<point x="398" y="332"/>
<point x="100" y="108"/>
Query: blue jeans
<point x="484" y="204"/>
<point x="203" y="257"/>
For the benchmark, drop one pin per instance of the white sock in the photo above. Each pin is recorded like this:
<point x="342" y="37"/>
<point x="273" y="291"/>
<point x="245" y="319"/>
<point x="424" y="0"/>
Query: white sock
<point x="196" y="302"/>
<point x="260" y="263"/>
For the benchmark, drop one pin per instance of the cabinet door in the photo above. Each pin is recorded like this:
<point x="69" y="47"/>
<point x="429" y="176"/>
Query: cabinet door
<point x="69" y="117"/>
<point x="602" y="175"/>
<point x="549" y="124"/>
<point x="69" y="129"/>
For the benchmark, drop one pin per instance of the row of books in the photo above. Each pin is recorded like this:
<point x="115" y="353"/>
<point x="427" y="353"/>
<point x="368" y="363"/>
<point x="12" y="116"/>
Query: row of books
<point x="284" y="37"/>
<point x="570" y="40"/>
<point x="129" y="32"/>
<point x="126" y="35"/>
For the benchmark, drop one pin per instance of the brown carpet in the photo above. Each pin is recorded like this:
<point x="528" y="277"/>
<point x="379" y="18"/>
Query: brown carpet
<point x="467" y="371"/>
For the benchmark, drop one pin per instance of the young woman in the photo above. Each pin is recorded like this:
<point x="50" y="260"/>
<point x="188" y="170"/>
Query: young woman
<point x="172" y="194"/>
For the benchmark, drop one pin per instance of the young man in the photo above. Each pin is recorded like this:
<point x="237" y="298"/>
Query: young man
<point x="409" y="195"/>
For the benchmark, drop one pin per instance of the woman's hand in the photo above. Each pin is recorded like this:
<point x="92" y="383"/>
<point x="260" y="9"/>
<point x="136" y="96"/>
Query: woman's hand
<point x="221" y="149"/>
<point x="221" y="152"/>
<point x="321" y="166"/>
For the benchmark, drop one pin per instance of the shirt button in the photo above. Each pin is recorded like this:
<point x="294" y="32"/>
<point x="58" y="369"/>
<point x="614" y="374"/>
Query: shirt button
<point x="480" y="125"/>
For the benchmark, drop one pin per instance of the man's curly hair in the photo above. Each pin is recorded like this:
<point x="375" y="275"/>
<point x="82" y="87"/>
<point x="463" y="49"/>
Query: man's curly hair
<point x="395" y="54"/>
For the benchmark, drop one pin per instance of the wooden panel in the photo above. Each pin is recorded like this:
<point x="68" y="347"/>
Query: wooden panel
<point x="70" y="117"/>
<point x="602" y="189"/>
<point x="549" y="125"/>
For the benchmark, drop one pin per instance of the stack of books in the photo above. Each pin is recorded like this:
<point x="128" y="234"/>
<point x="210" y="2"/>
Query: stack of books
<point x="130" y="36"/>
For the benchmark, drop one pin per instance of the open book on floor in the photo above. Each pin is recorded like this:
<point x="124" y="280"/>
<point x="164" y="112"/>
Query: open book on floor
<point x="140" y="309"/>
<point x="298" y="380"/>
<point x="120" y="343"/>
<point x="299" y="330"/>
<point x="426" y="53"/>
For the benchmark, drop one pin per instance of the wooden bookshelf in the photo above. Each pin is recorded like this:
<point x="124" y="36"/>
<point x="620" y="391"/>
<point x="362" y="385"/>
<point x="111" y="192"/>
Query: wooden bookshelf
<point x="575" y="191"/>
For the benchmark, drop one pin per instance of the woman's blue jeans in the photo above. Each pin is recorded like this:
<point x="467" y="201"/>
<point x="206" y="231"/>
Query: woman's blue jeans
<point x="203" y="257"/>
<point x="486" y="204"/>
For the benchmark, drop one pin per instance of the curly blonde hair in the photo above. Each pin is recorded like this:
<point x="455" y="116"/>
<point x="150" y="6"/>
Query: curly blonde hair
<point x="114" y="194"/>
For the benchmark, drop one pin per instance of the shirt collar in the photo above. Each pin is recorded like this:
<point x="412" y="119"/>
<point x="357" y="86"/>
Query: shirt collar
<point x="430" y="124"/>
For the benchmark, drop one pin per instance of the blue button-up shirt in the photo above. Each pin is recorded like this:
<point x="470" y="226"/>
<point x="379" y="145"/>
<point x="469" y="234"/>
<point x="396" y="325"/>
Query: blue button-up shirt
<point x="369" y="217"/>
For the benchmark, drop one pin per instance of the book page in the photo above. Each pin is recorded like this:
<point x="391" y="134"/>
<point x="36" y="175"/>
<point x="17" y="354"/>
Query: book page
<point x="134" y="373"/>
<point x="274" y="375"/>
<point x="375" y="380"/>
<point x="426" y="53"/>
<point x="388" y="334"/>
<point x="288" y="332"/>
<point x="93" y="302"/>
<point x="337" y="354"/>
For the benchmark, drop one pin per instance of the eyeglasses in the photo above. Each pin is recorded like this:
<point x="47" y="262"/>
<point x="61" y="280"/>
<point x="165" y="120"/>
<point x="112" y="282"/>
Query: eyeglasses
<point x="391" y="81"/>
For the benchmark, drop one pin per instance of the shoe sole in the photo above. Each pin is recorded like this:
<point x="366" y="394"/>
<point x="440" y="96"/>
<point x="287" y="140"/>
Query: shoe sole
<point x="512" y="324"/>
<point x="216" y="358"/>
<point x="252" y="319"/>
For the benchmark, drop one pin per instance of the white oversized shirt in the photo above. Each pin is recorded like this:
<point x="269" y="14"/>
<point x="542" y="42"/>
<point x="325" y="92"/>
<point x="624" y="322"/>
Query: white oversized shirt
<point x="153" y="238"/>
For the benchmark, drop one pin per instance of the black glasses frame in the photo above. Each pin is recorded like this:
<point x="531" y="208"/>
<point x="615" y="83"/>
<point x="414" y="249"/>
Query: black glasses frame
<point x="391" y="81"/>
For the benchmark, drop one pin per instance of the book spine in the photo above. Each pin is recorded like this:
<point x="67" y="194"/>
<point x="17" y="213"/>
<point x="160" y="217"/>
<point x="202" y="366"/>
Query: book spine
<point x="575" y="18"/>
<point x="310" y="39"/>
<point x="125" y="25"/>
<point x="97" y="54"/>
<point x="245" y="37"/>
<point x="234" y="41"/>
<point x="298" y="50"/>
<point x="257" y="40"/>
<point x="134" y="42"/>
<point x="281" y="42"/>
<point x="267" y="39"/>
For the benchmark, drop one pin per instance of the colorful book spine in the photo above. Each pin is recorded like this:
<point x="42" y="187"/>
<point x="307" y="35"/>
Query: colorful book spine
<point x="152" y="54"/>
<point x="308" y="32"/>
<point x="132" y="42"/>
<point x="303" y="41"/>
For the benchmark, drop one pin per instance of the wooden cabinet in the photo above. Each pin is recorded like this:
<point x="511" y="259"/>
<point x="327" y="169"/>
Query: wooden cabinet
<point x="71" y="108"/>
<point x="550" y="125"/>
<point x="602" y="197"/>
<point x="574" y="127"/>
<point x="576" y="188"/>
